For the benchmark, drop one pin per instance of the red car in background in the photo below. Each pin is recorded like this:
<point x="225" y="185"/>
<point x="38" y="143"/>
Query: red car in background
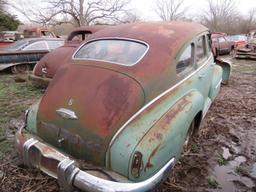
<point x="221" y="45"/>
<point x="239" y="40"/>
<point x="46" y="68"/>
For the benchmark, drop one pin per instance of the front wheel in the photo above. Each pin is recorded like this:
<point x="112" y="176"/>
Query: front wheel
<point x="20" y="68"/>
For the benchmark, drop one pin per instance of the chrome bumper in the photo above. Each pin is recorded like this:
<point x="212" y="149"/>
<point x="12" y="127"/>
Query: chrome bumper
<point x="70" y="176"/>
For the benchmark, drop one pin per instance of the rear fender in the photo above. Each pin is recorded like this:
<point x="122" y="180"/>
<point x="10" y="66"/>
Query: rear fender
<point x="226" y="66"/>
<point x="166" y="137"/>
<point x="134" y="131"/>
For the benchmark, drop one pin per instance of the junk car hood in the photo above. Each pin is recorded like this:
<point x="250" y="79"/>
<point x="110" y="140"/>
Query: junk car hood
<point x="84" y="107"/>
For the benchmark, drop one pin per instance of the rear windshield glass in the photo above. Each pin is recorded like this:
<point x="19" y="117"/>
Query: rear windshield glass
<point x="124" y="52"/>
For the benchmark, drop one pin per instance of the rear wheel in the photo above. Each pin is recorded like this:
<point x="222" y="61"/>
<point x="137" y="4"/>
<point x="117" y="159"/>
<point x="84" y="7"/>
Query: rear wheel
<point x="189" y="135"/>
<point x="20" y="68"/>
<point x="232" y="52"/>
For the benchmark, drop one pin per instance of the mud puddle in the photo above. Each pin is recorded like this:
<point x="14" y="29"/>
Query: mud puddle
<point x="228" y="176"/>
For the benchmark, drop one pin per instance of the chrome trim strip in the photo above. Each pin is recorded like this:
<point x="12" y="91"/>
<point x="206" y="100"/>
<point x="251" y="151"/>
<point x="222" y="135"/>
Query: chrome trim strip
<point x="112" y="38"/>
<point x="218" y="84"/>
<point x="88" y="182"/>
<point x="66" y="113"/>
<point x="154" y="100"/>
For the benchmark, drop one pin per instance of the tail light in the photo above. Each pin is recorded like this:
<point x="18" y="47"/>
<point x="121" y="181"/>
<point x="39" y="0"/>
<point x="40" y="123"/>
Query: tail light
<point x="137" y="164"/>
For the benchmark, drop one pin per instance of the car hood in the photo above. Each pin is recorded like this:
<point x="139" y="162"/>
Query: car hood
<point x="83" y="108"/>
<point x="52" y="61"/>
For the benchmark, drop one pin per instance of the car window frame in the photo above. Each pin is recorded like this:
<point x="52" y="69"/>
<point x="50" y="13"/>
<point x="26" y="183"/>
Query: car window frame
<point x="37" y="42"/>
<point x="112" y="38"/>
<point x="188" y="70"/>
<point x="205" y="47"/>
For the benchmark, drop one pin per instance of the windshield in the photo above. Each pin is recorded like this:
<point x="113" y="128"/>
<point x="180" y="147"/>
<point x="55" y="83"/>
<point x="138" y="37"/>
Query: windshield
<point x="17" y="45"/>
<point x="124" y="52"/>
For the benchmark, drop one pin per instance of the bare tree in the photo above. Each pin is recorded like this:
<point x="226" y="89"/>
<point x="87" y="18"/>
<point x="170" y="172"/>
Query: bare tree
<point x="2" y="5"/>
<point x="221" y="15"/>
<point x="77" y="12"/>
<point x="169" y="10"/>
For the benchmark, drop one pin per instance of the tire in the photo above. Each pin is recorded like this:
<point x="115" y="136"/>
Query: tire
<point x="189" y="135"/>
<point x="232" y="52"/>
<point x="20" y="68"/>
<point x="217" y="53"/>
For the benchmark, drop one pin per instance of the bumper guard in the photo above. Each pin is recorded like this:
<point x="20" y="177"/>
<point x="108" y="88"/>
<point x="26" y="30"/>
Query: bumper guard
<point x="70" y="176"/>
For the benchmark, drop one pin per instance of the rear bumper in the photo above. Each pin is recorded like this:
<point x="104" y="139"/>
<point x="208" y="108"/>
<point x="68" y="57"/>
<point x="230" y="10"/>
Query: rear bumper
<point x="39" y="81"/>
<point x="40" y="155"/>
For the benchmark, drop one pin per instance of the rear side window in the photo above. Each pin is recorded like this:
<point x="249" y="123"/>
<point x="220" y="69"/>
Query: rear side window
<point x="124" y="52"/>
<point x="185" y="61"/>
<point x="55" y="44"/>
<point x="200" y="49"/>
<point x="41" y="45"/>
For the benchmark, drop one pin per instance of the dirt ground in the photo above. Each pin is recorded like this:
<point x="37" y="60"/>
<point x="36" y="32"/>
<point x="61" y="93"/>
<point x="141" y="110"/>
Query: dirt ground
<point x="222" y="157"/>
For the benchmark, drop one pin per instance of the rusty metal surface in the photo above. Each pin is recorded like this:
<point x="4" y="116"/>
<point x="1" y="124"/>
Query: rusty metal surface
<point x="101" y="105"/>
<point x="105" y="95"/>
<point x="51" y="62"/>
<point x="48" y="65"/>
<point x="156" y="71"/>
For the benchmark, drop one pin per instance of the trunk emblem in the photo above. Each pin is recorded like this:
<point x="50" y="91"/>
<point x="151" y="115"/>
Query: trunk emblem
<point x="66" y="113"/>
<point x="44" y="70"/>
<point x="70" y="102"/>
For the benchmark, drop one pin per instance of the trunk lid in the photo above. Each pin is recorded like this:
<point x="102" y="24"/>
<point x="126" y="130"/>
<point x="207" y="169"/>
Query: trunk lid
<point x="83" y="107"/>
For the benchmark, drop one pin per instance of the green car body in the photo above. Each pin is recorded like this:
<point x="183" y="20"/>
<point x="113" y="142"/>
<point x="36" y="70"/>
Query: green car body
<point x="128" y="120"/>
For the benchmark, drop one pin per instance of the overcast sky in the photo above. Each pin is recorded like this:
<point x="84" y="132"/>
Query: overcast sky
<point x="145" y="8"/>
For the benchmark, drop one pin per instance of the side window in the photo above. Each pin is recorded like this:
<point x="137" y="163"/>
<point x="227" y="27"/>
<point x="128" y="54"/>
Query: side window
<point x="41" y="45"/>
<point x="186" y="59"/>
<point x="55" y="44"/>
<point x="200" y="49"/>
<point x="221" y="39"/>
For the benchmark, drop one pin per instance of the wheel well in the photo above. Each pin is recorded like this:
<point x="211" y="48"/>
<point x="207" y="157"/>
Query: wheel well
<point x="198" y="119"/>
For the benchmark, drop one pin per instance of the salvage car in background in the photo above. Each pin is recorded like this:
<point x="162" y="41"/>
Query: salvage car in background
<point x="118" y="115"/>
<point x="24" y="54"/>
<point x="239" y="40"/>
<point x="248" y="51"/>
<point x="46" y="68"/>
<point x="38" y="32"/>
<point x="221" y="45"/>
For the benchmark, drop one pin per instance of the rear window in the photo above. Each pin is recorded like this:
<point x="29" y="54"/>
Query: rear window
<point x="124" y="52"/>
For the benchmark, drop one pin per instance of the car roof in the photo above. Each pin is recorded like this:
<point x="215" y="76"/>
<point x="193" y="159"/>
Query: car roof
<point x="165" y="41"/>
<point x="176" y="32"/>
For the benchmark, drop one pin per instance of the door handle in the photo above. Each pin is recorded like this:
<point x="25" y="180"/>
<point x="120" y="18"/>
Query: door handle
<point x="201" y="76"/>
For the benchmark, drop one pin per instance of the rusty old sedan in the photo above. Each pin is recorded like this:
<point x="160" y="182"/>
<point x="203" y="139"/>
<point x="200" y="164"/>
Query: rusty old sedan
<point x="47" y="67"/>
<point x="24" y="54"/>
<point x="119" y="115"/>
